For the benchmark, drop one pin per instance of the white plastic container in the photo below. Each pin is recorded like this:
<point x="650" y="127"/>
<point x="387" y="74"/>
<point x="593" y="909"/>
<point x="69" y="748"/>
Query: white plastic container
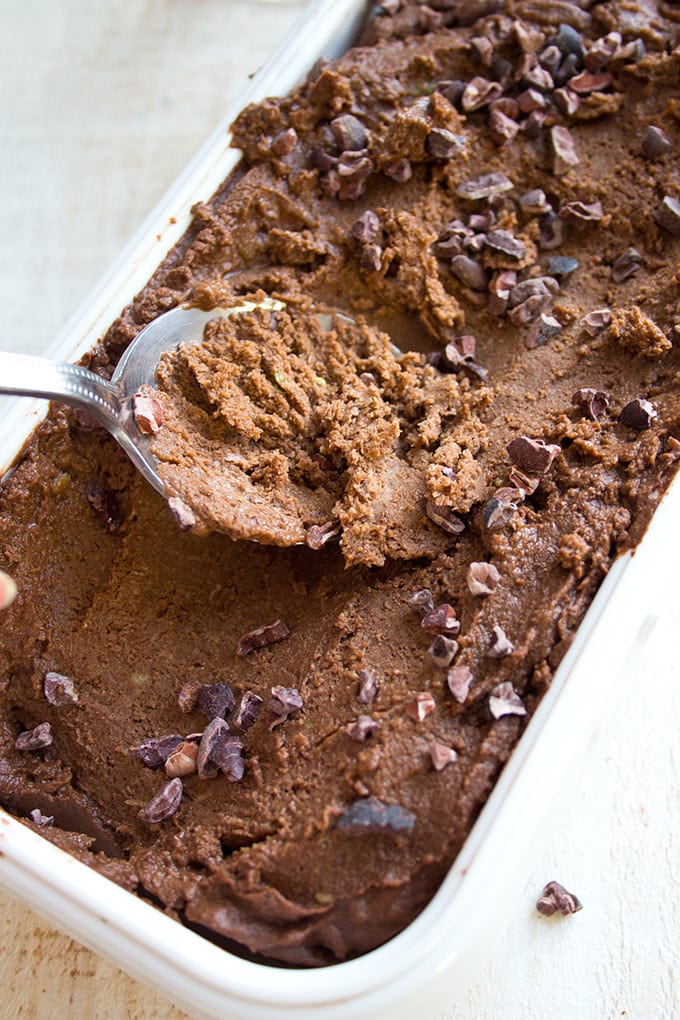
<point x="423" y="968"/>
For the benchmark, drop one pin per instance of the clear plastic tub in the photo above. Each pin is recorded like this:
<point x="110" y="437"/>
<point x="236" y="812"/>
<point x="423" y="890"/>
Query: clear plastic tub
<point x="423" y="968"/>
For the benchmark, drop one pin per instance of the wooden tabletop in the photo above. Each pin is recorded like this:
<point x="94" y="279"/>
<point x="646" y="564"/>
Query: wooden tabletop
<point x="101" y="105"/>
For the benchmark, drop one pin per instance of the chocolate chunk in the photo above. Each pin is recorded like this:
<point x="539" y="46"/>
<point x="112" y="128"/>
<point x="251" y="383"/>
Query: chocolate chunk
<point x="34" y="740"/>
<point x="470" y="273"/>
<point x="443" y="651"/>
<point x="59" y="690"/>
<point x="459" y="680"/>
<point x="593" y="402"/>
<point x="368" y="687"/>
<point x="504" y="700"/>
<point x="400" y="171"/>
<point x="562" y="265"/>
<point x="38" y="818"/>
<point x="445" y="517"/>
<point x="502" y="128"/>
<point x="443" y="144"/>
<point x="187" y="699"/>
<point x="284" y="143"/>
<point x="183" y="514"/>
<point x="319" y="535"/>
<point x="442" y="620"/>
<point x="164" y="804"/>
<point x="247" y="713"/>
<point x="581" y="214"/>
<point x="668" y="216"/>
<point x="215" y="700"/>
<point x="501" y="645"/>
<point x="270" y="634"/>
<point x="654" y="143"/>
<point x="555" y="899"/>
<point x="148" y="413"/>
<point x="284" y="701"/>
<point x="362" y="728"/>
<point x="370" y="815"/>
<point x="441" y="755"/>
<point x="567" y="40"/>
<point x="422" y="601"/>
<point x="420" y="706"/>
<point x="534" y="203"/>
<point x="563" y="151"/>
<point x="597" y="320"/>
<point x="484" y="186"/>
<point x="501" y="508"/>
<point x="533" y="456"/>
<point x="8" y="590"/>
<point x="503" y="241"/>
<point x="482" y="578"/>
<point x="349" y="133"/>
<point x="638" y="414"/>
<point x="106" y="507"/>
<point x="155" y="751"/>
<point x="183" y="761"/>
<point x="366" y="228"/>
<point x="626" y="264"/>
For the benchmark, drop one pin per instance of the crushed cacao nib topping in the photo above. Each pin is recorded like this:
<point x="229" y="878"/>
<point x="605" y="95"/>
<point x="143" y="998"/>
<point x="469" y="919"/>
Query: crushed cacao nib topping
<point x="420" y="706"/>
<point x="532" y="456"/>
<point x="38" y="818"/>
<point x="626" y="264"/>
<point x="502" y="241"/>
<point x="590" y="81"/>
<point x="34" y="740"/>
<point x="482" y="578"/>
<point x="459" y="680"/>
<point x="555" y="899"/>
<point x="581" y="214"/>
<point x="59" y="690"/>
<point x="367" y="690"/>
<point x="362" y="728"/>
<point x="443" y="144"/>
<point x="443" y="651"/>
<point x="668" y="215"/>
<point x="319" y="535"/>
<point x="442" y="620"/>
<point x="654" y="143"/>
<point x="563" y="151"/>
<point x="269" y="634"/>
<point x="284" y="143"/>
<point x="597" y="320"/>
<point x="593" y="402"/>
<point x="534" y="203"/>
<point x="371" y="816"/>
<point x="445" y="517"/>
<point x="187" y="699"/>
<point x="371" y="259"/>
<point x="504" y="700"/>
<point x="284" y="701"/>
<point x="525" y="483"/>
<point x="400" y="171"/>
<point x="501" y="645"/>
<point x="553" y="232"/>
<point x="566" y="101"/>
<point x="484" y="186"/>
<point x="8" y="590"/>
<point x="544" y="327"/>
<point x="215" y="699"/>
<point x="165" y="804"/>
<point x="155" y="751"/>
<point x="502" y="128"/>
<point x="366" y="228"/>
<point x="441" y="755"/>
<point x="248" y="711"/>
<point x="638" y="413"/>
<point x="183" y="514"/>
<point x="183" y="761"/>
<point x="470" y="273"/>
<point x="106" y="507"/>
<point x="220" y="750"/>
<point x="422" y="601"/>
<point x="479" y="92"/>
<point x="562" y="265"/>
<point x="349" y="133"/>
<point x="148" y="413"/>
<point x="502" y="507"/>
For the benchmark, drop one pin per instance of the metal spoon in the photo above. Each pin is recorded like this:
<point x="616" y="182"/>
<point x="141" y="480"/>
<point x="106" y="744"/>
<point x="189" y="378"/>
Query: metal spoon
<point x="110" y="403"/>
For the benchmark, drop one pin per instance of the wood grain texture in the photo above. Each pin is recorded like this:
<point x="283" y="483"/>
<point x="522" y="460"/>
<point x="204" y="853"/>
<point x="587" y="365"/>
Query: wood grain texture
<point x="100" y="107"/>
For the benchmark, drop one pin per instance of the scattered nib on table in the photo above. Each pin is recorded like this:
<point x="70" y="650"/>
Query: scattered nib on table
<point x="556" y="900"/>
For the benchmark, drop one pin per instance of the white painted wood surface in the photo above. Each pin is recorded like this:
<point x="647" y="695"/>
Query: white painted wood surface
<point x="100" y="107"/>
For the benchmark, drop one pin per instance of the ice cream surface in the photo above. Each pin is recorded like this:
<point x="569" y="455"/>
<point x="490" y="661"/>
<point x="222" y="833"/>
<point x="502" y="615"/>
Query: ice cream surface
<point x="286" y="747"/>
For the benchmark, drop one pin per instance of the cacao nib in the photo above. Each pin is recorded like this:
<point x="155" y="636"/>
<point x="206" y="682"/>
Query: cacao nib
<point x="34" y="740"/>
<point x="215" y="700"/>
<point x="555" y="899"/>
<point x="248" y="711"/>
<point x="155" y="751"/>
<point x="371" y="816"/>
<point x="269" y="634"/>
<point x="59" y="690"/>
<point x="164" y="804"/>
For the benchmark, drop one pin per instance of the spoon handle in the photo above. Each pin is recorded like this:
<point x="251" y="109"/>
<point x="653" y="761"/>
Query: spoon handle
<point x="25" y="375"/>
